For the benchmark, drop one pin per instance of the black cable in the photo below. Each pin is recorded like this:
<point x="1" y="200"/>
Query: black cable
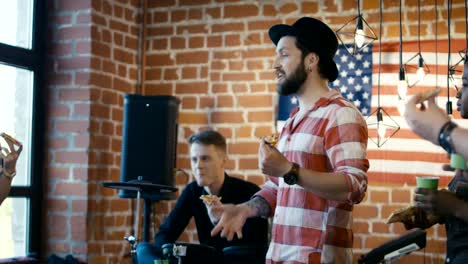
<point x="466" y="30"/>
<point x="358" y="8"/>
<point x="436" y="42"/>
<point x="380" y="55"/>
<point x="401" y="40"/>
<point x="419" y="27"/>
<point x="449" y="14"/>
<point x="448" y="105"/>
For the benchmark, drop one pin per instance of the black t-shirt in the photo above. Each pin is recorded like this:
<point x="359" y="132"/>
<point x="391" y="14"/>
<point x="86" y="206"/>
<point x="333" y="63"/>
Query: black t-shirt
<point x="189" y="204"/>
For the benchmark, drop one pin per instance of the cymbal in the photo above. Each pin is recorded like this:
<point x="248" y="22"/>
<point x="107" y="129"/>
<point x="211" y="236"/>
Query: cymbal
<point x="142" y="186"/>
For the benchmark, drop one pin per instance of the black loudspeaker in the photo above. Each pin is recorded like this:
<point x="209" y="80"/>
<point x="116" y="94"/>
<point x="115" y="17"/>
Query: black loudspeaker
<point x="149" y="142"/>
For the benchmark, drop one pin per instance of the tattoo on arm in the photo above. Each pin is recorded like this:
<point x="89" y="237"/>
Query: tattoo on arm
<point x="260" y="206"/>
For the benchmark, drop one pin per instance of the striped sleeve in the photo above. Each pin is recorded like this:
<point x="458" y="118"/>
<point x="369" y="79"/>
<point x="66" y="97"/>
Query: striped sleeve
<point x="345" y="142"/>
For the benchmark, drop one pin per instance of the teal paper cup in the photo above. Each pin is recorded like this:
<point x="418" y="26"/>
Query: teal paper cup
<point x="427" y="182"/>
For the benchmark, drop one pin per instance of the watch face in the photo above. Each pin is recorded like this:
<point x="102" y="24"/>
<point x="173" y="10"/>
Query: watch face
<point x="290" y="178"/>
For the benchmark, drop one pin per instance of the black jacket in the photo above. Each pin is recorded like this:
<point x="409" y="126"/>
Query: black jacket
<point x="189" y="204"/>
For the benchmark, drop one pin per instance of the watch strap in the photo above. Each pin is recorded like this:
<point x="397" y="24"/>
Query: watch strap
<point x="445" y="137"/>
<point x="292" y="176"/>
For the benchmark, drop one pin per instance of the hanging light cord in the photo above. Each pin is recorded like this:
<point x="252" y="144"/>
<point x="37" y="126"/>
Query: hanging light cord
<point x="466" y="30"/>
<point x="449" y="14"/>
<point x="401" y="40"/>
<point x="419" y="27"/>
<point x="380" y="56"/>
<point x="436" y="42"/>
<point x="358" y="8"/>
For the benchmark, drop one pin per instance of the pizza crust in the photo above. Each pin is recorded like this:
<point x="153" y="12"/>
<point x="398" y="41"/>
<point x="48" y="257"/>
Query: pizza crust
<point x="210" y="199"/>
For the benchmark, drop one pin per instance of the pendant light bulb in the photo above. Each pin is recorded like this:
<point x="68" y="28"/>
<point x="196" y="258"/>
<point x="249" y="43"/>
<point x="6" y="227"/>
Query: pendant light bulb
<point x="402" y="85"/>
<point x="421" y="73"/>
<point x="381" y="129"/>
<point x="448" y="109"/>
<point x="359" y="35"/>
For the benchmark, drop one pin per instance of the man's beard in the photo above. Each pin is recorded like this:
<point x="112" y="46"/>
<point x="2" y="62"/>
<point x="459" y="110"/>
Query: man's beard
<point x="291" y="84"/>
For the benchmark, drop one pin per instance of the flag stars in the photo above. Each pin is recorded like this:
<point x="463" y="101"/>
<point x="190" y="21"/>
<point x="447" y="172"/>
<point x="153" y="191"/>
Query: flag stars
<point x="355" y="78"/>
<point x="365" y="79"/>
<point x="344" y="58"/>
<point x="357" y="103"/>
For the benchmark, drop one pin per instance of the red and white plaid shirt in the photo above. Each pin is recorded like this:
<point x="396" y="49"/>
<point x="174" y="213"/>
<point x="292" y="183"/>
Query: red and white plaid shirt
<point x="331" y="137"/>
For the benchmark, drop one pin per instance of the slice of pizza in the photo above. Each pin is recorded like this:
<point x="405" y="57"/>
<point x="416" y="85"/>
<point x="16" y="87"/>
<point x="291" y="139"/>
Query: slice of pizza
<point x="210" y="199"/>
<point x="412" y="216"/>
<point x="428" y="94"/>
<point x="271" y="139"/>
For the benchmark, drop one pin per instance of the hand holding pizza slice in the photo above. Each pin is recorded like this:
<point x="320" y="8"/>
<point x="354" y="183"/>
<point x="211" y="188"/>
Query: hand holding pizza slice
<point x="214" y="207"/>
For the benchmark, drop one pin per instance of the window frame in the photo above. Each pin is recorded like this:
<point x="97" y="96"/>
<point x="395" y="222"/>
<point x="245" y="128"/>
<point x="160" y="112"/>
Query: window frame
<point x="33" y="60"/>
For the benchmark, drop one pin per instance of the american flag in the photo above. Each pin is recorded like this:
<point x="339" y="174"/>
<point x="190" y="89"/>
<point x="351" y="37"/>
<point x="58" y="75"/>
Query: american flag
<point x="355" y="77"/>
<point x="404" y="155"/>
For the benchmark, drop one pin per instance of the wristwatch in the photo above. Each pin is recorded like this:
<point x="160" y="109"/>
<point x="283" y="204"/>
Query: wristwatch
<point x="445" y="137"/>
<point x="292" y="176"/>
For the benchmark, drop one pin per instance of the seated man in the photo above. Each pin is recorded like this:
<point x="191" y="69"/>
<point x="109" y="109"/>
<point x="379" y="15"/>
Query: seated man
<point x="208" y="161"/>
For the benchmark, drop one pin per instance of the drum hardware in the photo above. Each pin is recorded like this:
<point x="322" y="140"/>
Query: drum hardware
<point x="133" y="241"/>
<point x="188" y="253"/>
<point x="394" y="249"/>
<point x="143" y="190"/>
<point x="179" y="251"/>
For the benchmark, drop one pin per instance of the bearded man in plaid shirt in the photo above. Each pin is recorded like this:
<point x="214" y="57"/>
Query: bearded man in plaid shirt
<point x="318" y="170"/>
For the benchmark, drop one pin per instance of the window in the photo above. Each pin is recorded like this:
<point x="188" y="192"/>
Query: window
<point x="22" y="33"/>
<point x="16" y="20"/>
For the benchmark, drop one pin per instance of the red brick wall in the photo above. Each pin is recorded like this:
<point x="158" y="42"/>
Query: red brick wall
<point x="216" y="57"/>
<point x="93" y="62"/>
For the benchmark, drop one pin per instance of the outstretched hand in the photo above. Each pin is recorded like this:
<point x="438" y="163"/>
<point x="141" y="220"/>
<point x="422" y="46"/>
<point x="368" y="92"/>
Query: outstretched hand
<point x="231" y="222"/>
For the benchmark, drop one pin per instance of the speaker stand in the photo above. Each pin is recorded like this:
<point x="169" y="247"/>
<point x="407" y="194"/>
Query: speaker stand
<point x="143" y="189"/>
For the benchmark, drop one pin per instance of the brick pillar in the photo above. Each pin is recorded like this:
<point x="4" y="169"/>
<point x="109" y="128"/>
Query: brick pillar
<point x="92" y="63"/>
